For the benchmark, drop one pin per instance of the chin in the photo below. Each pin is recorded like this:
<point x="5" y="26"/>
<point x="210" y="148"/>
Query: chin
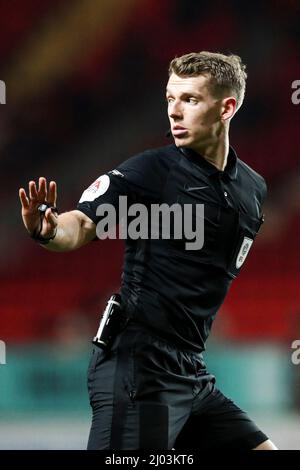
<point x="183" y="142"/>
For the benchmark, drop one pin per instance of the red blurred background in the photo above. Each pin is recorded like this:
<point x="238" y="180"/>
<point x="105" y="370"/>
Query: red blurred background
<point x="85" y="90"/>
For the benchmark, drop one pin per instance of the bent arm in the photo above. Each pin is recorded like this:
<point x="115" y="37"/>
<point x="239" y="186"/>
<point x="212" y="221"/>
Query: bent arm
<point x="74" y="229"/>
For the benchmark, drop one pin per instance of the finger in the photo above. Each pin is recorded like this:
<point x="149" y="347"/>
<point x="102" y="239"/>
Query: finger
<point x="42" y="192"/>
<point x="51" y="218"/>
<point x="23" y="198"/>
<point x="52" y="193"/>
<point x="32" y="190"/>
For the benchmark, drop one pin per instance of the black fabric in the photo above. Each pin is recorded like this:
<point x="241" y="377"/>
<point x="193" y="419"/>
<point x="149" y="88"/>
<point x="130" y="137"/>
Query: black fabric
<point x="119" y="404"/>
<point x="171" y="289"/>
<point x="160" y="397"/>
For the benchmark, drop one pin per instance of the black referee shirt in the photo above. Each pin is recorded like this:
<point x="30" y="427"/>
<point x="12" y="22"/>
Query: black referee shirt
<point x="172" y="290"/>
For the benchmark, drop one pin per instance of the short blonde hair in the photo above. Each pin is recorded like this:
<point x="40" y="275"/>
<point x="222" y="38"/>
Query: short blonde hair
<point x="226" y="72"/>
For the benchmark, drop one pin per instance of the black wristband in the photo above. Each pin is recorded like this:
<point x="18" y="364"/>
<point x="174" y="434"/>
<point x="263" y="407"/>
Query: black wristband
<point x="36" y="235"/>
<point x="42" y="240"/>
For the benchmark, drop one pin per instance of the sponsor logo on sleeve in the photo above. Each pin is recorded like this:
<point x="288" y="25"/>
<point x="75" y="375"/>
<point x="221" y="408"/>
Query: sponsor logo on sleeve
<point x="97" y="188"/>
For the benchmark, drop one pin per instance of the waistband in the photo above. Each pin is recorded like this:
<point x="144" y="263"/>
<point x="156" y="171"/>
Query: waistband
<point x="136" y="325"/>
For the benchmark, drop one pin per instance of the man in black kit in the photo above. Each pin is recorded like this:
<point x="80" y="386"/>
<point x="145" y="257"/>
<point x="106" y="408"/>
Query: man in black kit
<point x="151" y="389"/>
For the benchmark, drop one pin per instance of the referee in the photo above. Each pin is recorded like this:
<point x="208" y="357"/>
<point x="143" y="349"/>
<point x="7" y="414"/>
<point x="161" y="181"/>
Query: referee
<point x="151" y="389"/>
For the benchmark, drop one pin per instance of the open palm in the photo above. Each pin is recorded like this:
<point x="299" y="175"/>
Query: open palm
<point x="30" y="207"/>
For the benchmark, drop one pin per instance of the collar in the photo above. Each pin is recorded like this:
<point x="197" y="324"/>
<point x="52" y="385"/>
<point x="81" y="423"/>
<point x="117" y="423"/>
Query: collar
<point x="209" y="169"/>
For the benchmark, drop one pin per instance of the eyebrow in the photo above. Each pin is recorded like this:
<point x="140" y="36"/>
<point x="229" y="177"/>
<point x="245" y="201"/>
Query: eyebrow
<point x="185" y="94"/>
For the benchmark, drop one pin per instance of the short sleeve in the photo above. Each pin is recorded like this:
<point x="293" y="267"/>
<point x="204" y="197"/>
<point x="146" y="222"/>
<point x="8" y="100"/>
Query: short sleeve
<point x="139" y="179"/>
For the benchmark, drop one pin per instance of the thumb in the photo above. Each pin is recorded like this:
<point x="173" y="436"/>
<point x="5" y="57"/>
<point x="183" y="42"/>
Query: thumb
<point x="51" y="218"/>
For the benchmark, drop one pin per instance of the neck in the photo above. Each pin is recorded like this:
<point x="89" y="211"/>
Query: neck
<point x="215" y="151"/>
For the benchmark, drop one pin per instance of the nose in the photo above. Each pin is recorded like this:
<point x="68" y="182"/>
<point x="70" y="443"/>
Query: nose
<point x="175" y="110"/>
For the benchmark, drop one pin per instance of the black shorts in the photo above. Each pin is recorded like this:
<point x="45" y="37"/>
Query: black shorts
<point x="148" y="394"/>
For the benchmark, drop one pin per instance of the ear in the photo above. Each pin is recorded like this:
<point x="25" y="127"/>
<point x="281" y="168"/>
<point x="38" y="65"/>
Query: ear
<point x="228" y="108"/>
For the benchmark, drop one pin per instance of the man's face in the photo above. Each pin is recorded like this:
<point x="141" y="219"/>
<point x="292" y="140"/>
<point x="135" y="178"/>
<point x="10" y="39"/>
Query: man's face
<point x="194" y="114"/>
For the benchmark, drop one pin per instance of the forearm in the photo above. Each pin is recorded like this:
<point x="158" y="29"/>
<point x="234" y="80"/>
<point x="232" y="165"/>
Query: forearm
<point x="73" y="231"/>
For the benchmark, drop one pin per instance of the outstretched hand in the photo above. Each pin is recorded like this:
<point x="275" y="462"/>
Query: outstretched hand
<point x="30" y="204"/>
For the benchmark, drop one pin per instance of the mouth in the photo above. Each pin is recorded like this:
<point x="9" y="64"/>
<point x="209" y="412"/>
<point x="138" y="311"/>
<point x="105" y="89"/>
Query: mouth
<point x="179" y="131"/>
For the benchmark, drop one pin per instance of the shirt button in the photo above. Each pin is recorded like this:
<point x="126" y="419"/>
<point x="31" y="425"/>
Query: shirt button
<point x="225" y="194"/>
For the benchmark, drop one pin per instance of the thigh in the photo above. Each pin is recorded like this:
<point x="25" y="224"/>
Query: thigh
<point x="111" y="390"/>
<point x="100" y="382"/>
<point x="139" y="395"/>
<point x="164" y="382"/>
<point x="218" y="423"/>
